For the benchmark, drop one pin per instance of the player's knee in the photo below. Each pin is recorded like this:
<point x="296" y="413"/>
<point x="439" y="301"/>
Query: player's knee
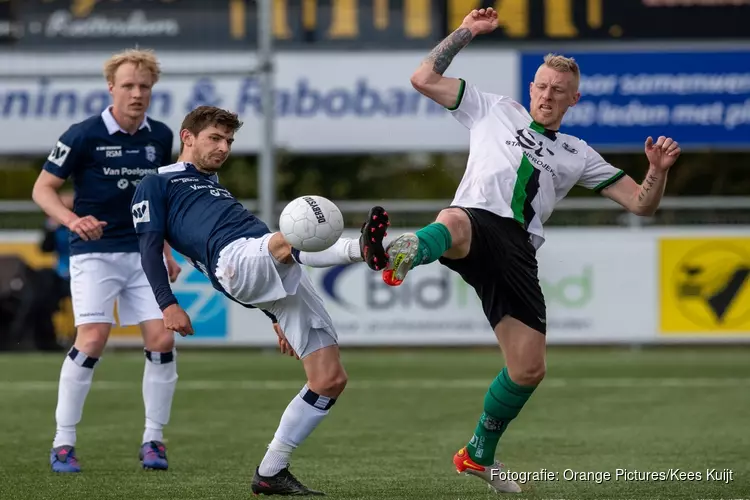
<point x="163" y="342"/>
<point x="458" y="225"/>
<point x="156" y="338"/>
<point x="280" y="249"/>
<point x="92" y="338"/>
<point x="331" y="383"/>
<point x="530" y="373"/>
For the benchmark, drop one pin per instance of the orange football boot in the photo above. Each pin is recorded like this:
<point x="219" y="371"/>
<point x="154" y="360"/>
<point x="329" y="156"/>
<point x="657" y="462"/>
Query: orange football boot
<point x="494" y="475"/>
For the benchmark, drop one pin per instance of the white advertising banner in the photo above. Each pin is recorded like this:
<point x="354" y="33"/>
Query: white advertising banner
<point x="599" y="286"/>
<point x="325" y="102"/>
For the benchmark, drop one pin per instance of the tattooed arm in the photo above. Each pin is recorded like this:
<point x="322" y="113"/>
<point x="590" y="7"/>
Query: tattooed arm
<point x="640" y="199"/>
<point x="644" y="199"/>
<point x="428" y="79"/>
<point x="651" y="191"/>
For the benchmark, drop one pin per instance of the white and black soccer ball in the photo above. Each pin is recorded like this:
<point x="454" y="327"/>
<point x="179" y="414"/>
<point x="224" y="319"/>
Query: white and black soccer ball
<point x="311" y="223"/>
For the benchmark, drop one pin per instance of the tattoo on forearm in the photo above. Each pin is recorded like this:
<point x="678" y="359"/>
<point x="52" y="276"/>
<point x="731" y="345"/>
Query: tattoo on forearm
<point x="648" y="185"/>
<point x="442" y="55"/>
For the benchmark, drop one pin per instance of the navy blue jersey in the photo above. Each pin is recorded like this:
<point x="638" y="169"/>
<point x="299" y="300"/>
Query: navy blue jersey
<point x="106" y="164"/>
<point x="195" y="214"/>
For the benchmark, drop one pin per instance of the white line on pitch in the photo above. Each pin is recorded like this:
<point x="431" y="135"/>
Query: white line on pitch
<point x="261" y="385"/>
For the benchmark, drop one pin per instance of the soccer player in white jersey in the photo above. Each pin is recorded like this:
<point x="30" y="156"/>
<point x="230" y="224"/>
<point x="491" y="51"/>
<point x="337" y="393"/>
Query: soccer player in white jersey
<point x="519" y="167"/>
<point x="106" y="156"/>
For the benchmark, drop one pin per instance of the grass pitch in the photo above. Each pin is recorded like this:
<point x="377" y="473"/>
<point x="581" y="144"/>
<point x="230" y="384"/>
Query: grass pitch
<point x="393" y="433"/>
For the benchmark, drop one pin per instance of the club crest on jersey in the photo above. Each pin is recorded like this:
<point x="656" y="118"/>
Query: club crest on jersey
<point x="567" y="147"/>
<point x="150" y="153"/>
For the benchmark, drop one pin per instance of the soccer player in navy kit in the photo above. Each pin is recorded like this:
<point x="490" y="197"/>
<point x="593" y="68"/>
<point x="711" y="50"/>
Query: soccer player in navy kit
<point x="107" y="155"/>
<point x="186" y="206"/>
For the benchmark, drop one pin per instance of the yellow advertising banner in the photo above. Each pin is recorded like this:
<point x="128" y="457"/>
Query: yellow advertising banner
<point x="705" y="286"/>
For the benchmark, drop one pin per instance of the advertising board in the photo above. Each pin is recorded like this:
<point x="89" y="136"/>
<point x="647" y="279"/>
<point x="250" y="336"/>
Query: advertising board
<point x="701" y="99"/>
<point x="601" y="286"/>
<point x="368" y="106"/>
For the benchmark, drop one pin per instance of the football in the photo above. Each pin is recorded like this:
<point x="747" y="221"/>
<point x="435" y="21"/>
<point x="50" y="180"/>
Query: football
<point x="311" y="223"/>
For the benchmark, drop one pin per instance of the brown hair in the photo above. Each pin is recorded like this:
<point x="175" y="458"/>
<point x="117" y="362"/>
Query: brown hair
<point x="140" y="58"/>
<point x="203" y="117"/>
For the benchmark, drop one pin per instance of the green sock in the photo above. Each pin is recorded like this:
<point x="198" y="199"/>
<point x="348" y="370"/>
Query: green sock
<point x="502" y="403"/>
<point x="434" y="240"/>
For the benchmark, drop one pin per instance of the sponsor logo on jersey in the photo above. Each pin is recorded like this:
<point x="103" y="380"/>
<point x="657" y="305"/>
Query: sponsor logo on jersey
<point x="141" y="213"/>
<point x="59" y="153"/>
<point x="530" y="144"/>
<point x="570" y="149"/>
<point x="111" y="151"/>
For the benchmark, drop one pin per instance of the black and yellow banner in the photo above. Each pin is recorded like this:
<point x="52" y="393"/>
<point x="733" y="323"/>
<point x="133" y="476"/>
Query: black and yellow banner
<point x="705" y="286"/>
<point x="572" y="20"/>
<point x="355" y="24"/>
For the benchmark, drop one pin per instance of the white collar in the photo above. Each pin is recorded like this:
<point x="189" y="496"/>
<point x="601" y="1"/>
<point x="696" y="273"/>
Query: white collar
<point x="113" y="127"/>
<point x="181" y="167"/>
<point x="175" y="167"/>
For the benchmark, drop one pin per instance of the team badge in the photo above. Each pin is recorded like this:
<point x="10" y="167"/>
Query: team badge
<point x="150" y="153"/>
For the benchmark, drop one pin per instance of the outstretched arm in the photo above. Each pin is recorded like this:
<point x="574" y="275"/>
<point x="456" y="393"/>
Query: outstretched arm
<point x="428" y="79"/>
<point x="643" y="199"/>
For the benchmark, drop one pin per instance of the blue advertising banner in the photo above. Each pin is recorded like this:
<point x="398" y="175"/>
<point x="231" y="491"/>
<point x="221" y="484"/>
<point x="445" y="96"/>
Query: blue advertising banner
<point x="207" y="308"/>
<point x="701" y="99"/>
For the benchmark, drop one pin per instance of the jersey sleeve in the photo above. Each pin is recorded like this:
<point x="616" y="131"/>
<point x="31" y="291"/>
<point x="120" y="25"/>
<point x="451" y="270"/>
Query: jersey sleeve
<point x="598" y="173"/>
<point x="472" y="104"/>
<point x="67" y="153"/>
<point x="149" y="207"/>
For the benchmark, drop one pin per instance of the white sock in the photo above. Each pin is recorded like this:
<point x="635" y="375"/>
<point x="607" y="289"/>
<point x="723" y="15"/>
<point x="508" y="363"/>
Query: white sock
<point x="344" y="251"/>
<point x="159" y="382"/>
<point x="301" y="417"/>
<point x="75" y="381"/>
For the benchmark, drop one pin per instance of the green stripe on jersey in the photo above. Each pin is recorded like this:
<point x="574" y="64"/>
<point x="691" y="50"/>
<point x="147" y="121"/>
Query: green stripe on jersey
<point x="619" y="175"/>
<point x="525" y="170"/>
<point x="460" y="96"/>
<point x="537" y="127"/>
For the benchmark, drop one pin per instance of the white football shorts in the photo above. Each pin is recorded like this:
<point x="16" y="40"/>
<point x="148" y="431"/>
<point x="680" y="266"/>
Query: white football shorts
<point x="98" y="280"/>
<point x="247" y="271"/>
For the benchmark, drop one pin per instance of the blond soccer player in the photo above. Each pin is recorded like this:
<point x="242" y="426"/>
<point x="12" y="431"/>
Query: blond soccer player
<point x="520" y="165"/>
<point x="106" y="156"/>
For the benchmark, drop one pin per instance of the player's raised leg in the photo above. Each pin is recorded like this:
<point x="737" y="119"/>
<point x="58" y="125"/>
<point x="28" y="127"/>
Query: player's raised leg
<point x="369" y="247"/>
<point x="449" y="236"/>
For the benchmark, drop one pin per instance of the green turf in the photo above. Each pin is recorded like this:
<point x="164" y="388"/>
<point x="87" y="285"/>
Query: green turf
<point x="395" y="430"/>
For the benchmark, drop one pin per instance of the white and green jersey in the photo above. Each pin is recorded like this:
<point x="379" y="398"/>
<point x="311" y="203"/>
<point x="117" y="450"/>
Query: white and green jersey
<point x="516" y="168"/>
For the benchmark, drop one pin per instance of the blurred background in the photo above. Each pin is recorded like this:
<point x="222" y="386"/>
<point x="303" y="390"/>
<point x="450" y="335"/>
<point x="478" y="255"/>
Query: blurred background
<point x="347" y="125"/>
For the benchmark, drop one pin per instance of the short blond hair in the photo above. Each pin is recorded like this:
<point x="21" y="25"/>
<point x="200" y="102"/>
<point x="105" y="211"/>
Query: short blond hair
<point x="563" y="65"/>
<point x="141" y="58"/>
